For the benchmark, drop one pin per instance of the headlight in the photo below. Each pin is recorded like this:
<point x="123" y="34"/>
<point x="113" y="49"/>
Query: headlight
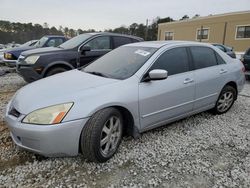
<point x="32" y="59"/>
<point x="8" y="56"/>
<point x="49" y="115"/>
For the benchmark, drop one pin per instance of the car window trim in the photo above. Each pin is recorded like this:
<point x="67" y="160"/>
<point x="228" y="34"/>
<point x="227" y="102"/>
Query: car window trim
<point x="189" y="65"/>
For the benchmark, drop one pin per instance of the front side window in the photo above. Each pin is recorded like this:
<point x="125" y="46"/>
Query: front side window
<point x="169" y="35"/>
<point x="202" y="34"/>
<point x="243" y="32"/>
<point x="203" y="57"/>
<point x="99" y="43"/>
<point x="174" y="61"/>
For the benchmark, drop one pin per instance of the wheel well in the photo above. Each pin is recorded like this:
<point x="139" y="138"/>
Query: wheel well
<point x="128" y="121"/>
<point x="56" y="66"/>
<point x="233" y="84"/>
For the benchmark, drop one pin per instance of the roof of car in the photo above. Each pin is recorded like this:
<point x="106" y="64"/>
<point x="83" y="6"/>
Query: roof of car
<point x="159" y="44"/>
<point x="54" y="36"/>
<point x="114" y="34"/>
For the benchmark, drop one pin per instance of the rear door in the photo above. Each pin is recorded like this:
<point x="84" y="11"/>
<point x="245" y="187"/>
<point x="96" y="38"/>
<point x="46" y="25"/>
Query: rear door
<point x="99" y="46"/>
<point x="210" y="76"/>
<point x="165" y="99"/>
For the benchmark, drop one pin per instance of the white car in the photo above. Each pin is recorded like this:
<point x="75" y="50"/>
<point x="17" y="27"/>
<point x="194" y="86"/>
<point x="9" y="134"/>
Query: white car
<point x="136" y="87"/>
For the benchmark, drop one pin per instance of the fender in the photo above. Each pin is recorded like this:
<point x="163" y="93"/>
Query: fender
<point x="57" y="63"/>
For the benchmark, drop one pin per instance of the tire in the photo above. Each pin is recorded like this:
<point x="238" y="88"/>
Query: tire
<point x="55" y="70"/>
<point x="98" y="129"/>
<point x="226" y="100"/>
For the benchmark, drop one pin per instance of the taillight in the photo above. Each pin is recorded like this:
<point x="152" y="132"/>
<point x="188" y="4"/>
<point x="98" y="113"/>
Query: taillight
<point x="243" y="69"/>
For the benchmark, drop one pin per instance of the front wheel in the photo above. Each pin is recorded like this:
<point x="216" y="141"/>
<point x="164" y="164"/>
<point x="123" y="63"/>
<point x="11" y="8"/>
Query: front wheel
<point x="225" y="100"/>
<point x="102" y="134"/>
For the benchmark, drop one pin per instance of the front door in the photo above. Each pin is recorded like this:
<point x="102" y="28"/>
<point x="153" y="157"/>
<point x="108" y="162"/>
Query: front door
<point x="166" y="99"/>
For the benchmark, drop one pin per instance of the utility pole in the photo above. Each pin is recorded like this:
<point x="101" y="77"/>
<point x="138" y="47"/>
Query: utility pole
<point x="146" y="33"/>
<point x="201" y="36"/>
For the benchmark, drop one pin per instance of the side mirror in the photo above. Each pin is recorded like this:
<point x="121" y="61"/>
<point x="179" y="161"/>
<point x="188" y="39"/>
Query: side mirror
<point x="85" y="48"/>
<point x="156" y="74"/>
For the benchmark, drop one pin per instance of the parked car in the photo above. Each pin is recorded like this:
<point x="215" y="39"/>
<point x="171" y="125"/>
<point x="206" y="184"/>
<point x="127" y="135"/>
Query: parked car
<point x="228" y="50"/>
<point x="134" y="88"/>
<point x="76" y="52"/>
<point x="246" y="61"/>
<point x="2" y="46"/>
<point x="11" y="55"/>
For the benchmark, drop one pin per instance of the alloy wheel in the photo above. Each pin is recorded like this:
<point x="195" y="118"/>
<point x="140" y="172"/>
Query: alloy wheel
<point x="110" y="136"/>
<point x="225" y="101"/>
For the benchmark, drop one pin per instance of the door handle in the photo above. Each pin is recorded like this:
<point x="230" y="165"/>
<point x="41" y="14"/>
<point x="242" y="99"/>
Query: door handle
<point x="223" y="71"/>
<point x="188" y="80"/>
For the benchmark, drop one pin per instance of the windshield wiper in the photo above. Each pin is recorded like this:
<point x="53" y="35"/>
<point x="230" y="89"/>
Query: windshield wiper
<point x="98" y="74"/>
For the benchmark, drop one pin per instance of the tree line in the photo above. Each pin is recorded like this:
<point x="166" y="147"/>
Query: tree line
<point x="22" y="32"/>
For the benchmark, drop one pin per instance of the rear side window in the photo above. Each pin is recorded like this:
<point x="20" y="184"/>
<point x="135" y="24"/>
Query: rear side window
<point x="119" y="41"/>
<point x="174" y="61"/>
<point x="203" y="57"/>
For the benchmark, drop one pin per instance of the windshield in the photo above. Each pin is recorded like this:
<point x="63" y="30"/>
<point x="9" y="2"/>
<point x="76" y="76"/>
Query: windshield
<point x="41" y="42"/>
<point x="29" y="43"/>
<point x="120" y="63"/>
<point x="74" y="42"/>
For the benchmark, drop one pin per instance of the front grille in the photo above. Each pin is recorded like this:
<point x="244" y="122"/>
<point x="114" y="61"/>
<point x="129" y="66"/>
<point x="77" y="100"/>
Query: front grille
<point x="14" y="112"/>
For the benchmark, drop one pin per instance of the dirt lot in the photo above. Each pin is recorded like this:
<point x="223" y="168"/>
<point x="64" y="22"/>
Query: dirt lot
<point x="199" y="151"/>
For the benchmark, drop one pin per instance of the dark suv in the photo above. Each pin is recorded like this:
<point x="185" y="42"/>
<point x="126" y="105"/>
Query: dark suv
<point x="76" y="52"/>
<point x="246" y="61"/>
<point x="11" y="55"/>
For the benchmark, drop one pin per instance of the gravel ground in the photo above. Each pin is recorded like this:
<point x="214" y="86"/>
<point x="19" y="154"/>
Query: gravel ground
<point x="199" y="151"/>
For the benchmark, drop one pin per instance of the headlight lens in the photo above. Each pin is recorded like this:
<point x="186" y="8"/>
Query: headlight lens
<point x="7" y="56"/>
<point x="32" y="59"/>
<point x="49" y="115"/>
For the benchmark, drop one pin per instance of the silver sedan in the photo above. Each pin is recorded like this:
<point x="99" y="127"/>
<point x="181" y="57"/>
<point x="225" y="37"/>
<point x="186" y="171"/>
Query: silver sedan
<point x="132" y="89"/>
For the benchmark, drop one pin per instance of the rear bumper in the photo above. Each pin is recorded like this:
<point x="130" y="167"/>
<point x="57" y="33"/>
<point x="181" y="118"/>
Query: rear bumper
<point x="47" y="140"/>
<point x="28" y="73"/>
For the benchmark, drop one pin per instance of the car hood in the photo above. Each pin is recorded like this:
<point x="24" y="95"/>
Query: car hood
<point x="41" y="51"/>
<point x="19" y="49"/>
<point x="57" y="89"/>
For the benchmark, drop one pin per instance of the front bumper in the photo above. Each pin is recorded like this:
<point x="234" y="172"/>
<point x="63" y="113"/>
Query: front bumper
<point x="47" y="140"/>
<point x="28" y="73"/>
<point x="9" y="63"/>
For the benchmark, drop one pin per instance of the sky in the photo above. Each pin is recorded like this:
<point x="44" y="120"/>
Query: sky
<point x="109" y="14"/>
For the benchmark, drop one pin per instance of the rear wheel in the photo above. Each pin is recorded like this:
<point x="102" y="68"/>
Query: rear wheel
<point x="225" y="100"/>
<point x="102" y="134"/>
<point x="55" y="70"/>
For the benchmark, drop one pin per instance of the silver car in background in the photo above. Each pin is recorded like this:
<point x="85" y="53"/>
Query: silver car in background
<point x="134" y="88"/>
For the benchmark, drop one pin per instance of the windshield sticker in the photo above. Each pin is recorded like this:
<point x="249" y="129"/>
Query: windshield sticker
<point x="142" y="52"/>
